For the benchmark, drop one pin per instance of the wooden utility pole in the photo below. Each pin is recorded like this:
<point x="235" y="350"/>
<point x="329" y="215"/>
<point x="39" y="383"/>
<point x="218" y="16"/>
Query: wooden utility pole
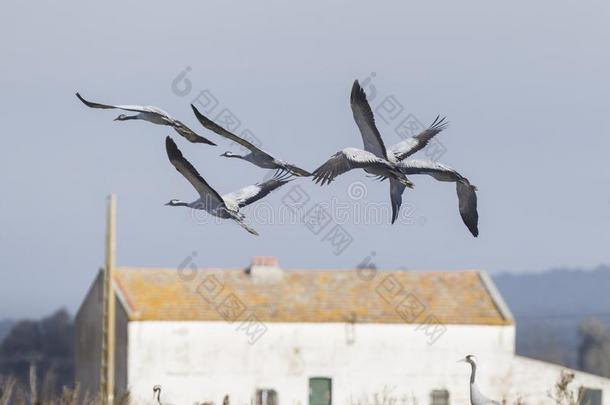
<point x="108" y="319"/>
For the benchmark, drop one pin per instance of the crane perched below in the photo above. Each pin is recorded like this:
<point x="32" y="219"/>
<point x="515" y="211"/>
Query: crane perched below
<point x="150" y="114"/>
<point x="476" y="398"/>
<point x="157" y="395"/>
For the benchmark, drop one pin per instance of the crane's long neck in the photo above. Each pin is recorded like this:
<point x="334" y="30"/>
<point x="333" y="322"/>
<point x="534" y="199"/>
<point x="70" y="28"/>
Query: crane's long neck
<point x="473" y="373"/>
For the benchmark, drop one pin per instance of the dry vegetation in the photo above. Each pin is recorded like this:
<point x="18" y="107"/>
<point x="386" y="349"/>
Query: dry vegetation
<point x="562" y="394"/>
<point x="14" y="394"/>
<point x="385" y="397"/>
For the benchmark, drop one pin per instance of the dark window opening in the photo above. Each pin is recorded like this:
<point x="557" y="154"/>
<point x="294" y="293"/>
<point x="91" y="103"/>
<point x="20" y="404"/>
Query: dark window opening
<point x="320" y="391"/>
<point x="266" y="397"/>
<point x="590" y="396"/>
<point x="439" y="397"/>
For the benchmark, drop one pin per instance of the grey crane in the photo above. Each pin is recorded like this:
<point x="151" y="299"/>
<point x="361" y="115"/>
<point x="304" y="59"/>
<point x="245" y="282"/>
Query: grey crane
<point x="257" y="156"/>
<point x="151" y="114"/>
<point x="157" y="395"/>
<point x="466" y="192"/>
<point x="476" y="397"/>
<point x="363" y="115"/>
<point x="226" y="206"/>
<point x="373" y="159"/>
<point x="467" y="197"/>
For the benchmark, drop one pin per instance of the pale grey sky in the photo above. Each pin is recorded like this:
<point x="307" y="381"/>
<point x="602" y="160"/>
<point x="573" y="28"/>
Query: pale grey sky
<point x="524" y="85"/>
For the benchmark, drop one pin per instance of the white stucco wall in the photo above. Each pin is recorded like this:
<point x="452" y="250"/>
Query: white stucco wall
<point x="203" y="361"/>
<point x="526" y="372"/>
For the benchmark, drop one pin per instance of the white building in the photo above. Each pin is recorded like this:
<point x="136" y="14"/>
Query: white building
<point x="266" y="335"/>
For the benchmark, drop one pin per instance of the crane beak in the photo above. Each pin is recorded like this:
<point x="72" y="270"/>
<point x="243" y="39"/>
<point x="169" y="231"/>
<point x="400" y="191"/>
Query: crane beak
<point x="461" y="361"/>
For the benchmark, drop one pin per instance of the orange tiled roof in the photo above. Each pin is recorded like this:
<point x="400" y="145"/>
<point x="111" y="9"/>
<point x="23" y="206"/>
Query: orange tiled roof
<point x="364" y="296"/>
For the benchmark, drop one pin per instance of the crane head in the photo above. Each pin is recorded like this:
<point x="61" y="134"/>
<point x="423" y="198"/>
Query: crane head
<point x="468" y="359"/>
<point x="176" y="203"/>
<point x="157" y="392"/>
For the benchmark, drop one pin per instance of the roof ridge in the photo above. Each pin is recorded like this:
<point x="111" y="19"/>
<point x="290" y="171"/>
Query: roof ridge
<point x="313" y="269"/>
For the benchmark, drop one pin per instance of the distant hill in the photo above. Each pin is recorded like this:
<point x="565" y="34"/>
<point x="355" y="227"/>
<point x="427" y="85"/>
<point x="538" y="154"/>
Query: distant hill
<point x="549" y="307"/>
<point x="5" y="327"/>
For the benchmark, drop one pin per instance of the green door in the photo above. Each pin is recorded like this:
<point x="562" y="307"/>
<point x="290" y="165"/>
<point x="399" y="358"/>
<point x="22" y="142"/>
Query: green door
<point x="320" y="390"/>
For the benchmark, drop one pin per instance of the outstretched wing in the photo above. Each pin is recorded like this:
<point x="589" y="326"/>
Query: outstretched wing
<point x="239" y="219"/>
<point x="255" y="192"/>
<point x="342" y="162"/>
<point x="189" y="133"/>
<point x="466" y="192"/>
<point x="134" y="108"/>
<point x="214" y="127"/>
<point x="363" y="115"/>
<point x="297" y="171"/>
<point x="467" y="201"/>
<point x="186" y="169"/>
<point x="396" y="190"/>
<point x="437" y="170"/>
<point x="416" y="143"/>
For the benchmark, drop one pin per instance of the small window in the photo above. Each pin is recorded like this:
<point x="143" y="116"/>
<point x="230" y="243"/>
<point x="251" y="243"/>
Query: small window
<point x="439" y="397"/>
<point x="590" y="396"/>
<point x="320" y="391"/>
<point x="266" y="397"/>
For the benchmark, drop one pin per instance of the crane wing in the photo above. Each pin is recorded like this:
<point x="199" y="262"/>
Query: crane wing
<point x="134" y="108"/>
<point x="396" y="190"/>
<point x="189" y="134"/>
<point x="186" y="169"/>
<point x="467" y="202"/>
<point x="363" y="115"/>
<point x="214" y="127"/>
<point x="416" y="143"/>
<point x="437" y="170"/>
<point x="343" y="161"/>
<point x="255" y="192"/>
<point x="466" y="192"/>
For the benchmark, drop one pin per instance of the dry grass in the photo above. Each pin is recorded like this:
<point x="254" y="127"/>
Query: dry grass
<point x="385" y="397"/>
<point x="6" y="390"/>
<point x="562" y="394"/>
<point x="13" y="394"/>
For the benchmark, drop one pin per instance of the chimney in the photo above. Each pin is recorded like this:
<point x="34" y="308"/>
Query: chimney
<point x="264" y="269"/>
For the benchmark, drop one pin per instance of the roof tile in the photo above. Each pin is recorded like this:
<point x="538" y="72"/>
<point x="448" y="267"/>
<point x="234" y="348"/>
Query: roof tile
<point x="453" y="297"/>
